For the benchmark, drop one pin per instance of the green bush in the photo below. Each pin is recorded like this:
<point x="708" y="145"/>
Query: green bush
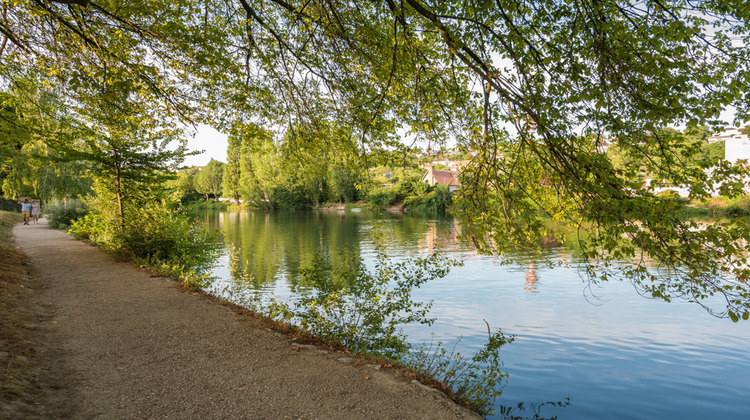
<point x="438" y="199"/>
<point x="290" y="197"/>
<point x="669" y="195"/>
<point x="169" y="237"/>
<point x="364" y="310"/>
<point x="96" y="228"/>
<point x="739" y="206"/>
<point x="167" y="241"/>
<point x="9" y="205"/>
<point x="62" y="216"/>
<point x="411" y="186"/>
<point x="382" y="197"/>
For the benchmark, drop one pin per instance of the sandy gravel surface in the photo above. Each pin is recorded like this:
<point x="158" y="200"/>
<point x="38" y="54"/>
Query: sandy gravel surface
<point x="125" y="345"/>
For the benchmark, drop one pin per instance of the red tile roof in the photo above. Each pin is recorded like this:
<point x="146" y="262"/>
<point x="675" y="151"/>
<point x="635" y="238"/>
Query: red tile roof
<point x="443" y="177"/>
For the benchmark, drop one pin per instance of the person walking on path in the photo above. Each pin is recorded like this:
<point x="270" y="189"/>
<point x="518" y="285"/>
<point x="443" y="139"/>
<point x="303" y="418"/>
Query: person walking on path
<point x="25" y="210"/>
<point x="36" y="209"/>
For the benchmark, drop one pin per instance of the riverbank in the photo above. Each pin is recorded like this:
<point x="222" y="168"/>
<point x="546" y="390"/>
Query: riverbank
<point x="718" y="207"/>
<point x="101" y="339"/>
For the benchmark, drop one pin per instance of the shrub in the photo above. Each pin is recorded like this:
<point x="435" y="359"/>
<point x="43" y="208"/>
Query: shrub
<point x="739" y="206"/>
<point x="95" y="228"/>
<point x="160" y="235"/>
<point x="476" y="381"/>
<point x="62" y="216"/>
<point x="438" y="199"/>
<point x="167" y="241"/>
<point x="9" y="205"/>
<point x="365" y="312"/>
<point x="382" y="197"/>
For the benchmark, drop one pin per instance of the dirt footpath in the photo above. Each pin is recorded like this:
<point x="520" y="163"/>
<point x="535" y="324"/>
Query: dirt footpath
<point x="124" y="345"/>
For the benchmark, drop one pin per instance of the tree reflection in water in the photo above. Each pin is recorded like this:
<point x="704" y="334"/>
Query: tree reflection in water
<point x="530" y="411"/>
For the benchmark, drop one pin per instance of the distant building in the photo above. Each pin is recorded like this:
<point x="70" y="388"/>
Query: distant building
<point x="736" y="144"/>
<point x="736" y="148"/>
<point x="445" y="162"/>
<point x="727" y="133"/>
<point x="449" y="178"/>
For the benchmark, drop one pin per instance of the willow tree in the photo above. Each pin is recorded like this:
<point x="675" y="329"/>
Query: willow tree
<point x="327" y="160"/>
<point x="531" y="88"/>
<point x="28" y="165"/>
<point x="210" y="180"/>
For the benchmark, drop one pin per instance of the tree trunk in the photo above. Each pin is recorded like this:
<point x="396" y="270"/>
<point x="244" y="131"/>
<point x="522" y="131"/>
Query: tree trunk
<point x="118" y="192"/>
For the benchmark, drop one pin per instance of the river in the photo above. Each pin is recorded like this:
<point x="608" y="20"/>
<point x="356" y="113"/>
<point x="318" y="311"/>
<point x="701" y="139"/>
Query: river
<point x="581" y="351"/>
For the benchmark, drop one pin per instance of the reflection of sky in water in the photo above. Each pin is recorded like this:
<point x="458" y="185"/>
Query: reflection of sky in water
<point x="614" y="353"/>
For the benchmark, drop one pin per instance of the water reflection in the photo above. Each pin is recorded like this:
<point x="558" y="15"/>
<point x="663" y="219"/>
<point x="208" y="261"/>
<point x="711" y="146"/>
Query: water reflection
<point x="531" y="278"/>
<point x="441" y="234"/>
<point x="530" y="411"/>
<point x="621" y="357"/>
<point x="265" y="248"/>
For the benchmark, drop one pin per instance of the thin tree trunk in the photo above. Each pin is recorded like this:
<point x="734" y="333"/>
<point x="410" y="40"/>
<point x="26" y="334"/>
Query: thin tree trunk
<point x="118" y="192"/>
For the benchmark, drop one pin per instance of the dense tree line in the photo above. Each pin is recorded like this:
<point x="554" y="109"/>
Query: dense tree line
<point x="300" y="170"/>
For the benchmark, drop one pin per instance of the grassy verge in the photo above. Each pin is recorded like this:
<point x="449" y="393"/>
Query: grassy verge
<point x="14" y="383"/>
<point x="21" y="375"/>
<point x="718" y="206"/>
<point x="7" y="221"/>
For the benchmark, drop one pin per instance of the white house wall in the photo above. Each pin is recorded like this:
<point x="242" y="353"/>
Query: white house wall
<point x="736" y="148"/>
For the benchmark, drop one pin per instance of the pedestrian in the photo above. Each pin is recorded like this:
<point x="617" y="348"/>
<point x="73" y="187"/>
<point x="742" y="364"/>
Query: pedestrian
<point x="25" y="210"/>
<point x="36" y="209"/>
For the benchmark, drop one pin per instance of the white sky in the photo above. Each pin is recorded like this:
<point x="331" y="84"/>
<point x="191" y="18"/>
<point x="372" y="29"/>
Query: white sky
<point x="212" y="142"/>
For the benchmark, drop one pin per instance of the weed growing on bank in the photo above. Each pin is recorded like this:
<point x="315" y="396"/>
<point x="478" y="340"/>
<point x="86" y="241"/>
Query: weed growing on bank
<point x="476" y="381"/>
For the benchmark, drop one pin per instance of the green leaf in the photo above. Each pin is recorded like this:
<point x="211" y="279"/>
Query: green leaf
<point x="733" y="316"/>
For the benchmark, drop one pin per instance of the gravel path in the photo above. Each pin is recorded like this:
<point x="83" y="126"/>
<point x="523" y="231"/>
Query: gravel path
<point x="127" y="345"/>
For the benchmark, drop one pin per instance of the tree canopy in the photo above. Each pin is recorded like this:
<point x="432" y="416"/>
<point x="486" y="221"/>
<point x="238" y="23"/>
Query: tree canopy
<point x="531" y="89"/>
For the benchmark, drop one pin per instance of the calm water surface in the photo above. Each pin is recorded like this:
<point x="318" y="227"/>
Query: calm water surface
<point x="611" y="352"/>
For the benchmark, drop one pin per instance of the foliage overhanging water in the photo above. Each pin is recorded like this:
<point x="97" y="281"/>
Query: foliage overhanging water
<point x="613" y="353"/>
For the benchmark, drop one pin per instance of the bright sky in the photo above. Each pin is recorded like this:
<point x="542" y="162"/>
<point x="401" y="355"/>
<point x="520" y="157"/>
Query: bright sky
<point x="212" y="142"/>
